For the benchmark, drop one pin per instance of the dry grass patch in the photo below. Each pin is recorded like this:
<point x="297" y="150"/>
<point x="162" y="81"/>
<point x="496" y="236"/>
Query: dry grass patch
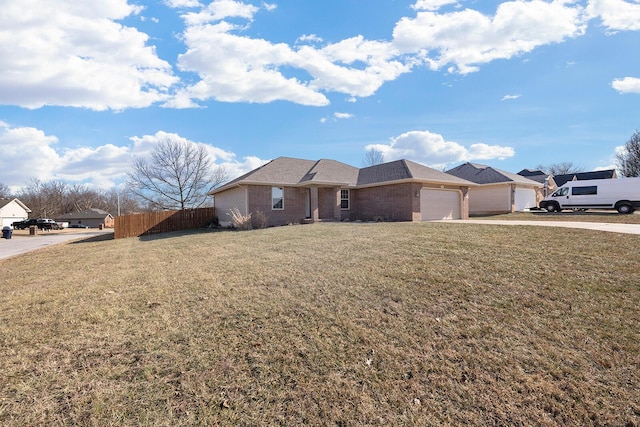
<point x="331" y="324"/>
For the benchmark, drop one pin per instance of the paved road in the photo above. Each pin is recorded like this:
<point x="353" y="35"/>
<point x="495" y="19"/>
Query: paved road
<point x="600" y="226"/>
<point x="20" y="244"/>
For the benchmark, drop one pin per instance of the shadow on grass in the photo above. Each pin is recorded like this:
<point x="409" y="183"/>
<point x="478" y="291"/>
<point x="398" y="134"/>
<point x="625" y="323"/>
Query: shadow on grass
<point x="99" y="238"/>
<point x="172" y="234"/>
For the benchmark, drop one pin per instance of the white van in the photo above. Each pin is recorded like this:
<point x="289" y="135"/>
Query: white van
<point x="621" y="194"/>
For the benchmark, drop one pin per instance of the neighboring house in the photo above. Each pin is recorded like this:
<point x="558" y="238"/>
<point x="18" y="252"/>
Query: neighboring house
<point x="289" y="190"/>
<point x="497" y="191"/>
<point x="89" y="217"/>
<point x="560" y="180"/>
<point x="12" y="210"/>
<point x="540" y="177"/>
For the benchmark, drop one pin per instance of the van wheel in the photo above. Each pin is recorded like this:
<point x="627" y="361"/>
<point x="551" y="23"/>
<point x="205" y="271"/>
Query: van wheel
<point x="625" y="208"/>
<point x="552" y="207"/>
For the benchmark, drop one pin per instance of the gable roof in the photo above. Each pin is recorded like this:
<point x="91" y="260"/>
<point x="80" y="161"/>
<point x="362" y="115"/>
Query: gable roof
<point x="86" y="214"/>
<point x="286" y="171"/>
<point x="402" y="170"/>
<point x="560" y="180"/>
<point x="5" y="202"/>
<point x="530" y="172"/>
<point x="534" y="175"/>
<point x="482" y="174"/>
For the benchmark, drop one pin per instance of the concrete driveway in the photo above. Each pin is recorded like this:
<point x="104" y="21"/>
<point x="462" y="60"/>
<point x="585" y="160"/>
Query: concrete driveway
<point x="21" y="243"/>
<point x="599" y="226"/>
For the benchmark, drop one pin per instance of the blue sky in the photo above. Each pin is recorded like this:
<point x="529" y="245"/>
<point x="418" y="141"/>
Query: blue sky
<point x="87" y="86"/>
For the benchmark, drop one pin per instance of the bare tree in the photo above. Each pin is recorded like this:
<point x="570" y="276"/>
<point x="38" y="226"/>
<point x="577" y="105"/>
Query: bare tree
<point x="177" y="176"/>
<point x="45" y="199"/>
<point x="629" y="158"/>
<point x="373" y="157"/>
<point x="562" y="168"/>
<point x="5" y="192"/>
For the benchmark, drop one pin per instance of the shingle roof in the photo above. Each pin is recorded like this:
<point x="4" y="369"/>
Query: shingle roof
<point x="6" y="201"/>
<point x="405" y="170"/>
<point x="581" y="176"/>
<point x="85" y="214"/>
<point x="288" y="171"/>
<point x="534" y="175"/>
<point x="482" y="174"/>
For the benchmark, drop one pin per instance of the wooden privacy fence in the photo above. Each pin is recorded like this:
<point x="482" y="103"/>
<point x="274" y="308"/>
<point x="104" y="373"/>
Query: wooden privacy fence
<point x="145" y="224"/>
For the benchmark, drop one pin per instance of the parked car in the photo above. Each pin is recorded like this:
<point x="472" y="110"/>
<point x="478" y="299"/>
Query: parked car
<point x="621" y="194"/>
<point x="79" y="226"/>
<point x="41" y="223"/>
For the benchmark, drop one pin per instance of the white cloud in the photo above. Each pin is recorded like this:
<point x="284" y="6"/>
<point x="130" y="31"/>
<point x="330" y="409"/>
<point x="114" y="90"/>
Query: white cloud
<point x="309" y="38"/>
<point x="237" y="68"/>
<point x="627" y="85"/>
<point x="463" y="40"/>
<point x="343" y="115"/>
<point x="182" y="3"/>
<point x="511" y="97"/>
<point x="432" y="4"/>
<point x="616" y="15"/>
<point x="56" y="52"/>
<point x="432" y="149"/>
<point x="240" y="69"/>
<point x="102" y="166"/>
<point x="219" y="10"/>
<point x="26" y="152"/>
<point x="269" y="7"/>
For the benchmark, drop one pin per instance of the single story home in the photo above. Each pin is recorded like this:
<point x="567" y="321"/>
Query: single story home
<point x="560" y="180"/>
<point x="552" y="182"/>
<point x="12" y="210"/>
<point x="497" y="191"/>
<point x="88" y="218"/>
<point x="288" y="190"/>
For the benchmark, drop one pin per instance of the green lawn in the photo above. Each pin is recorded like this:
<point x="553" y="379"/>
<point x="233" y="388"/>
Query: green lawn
<point x="326" y="324"/>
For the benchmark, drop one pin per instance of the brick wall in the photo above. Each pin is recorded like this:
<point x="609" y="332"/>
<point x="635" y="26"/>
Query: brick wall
<point x="294" y="211"/>
<point x="390" y="202"/>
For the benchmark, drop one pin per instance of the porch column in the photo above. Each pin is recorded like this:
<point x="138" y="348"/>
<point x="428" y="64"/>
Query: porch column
<point x="315" y="213"/>
<point x="465" y="203"/>
<point x="513" y="198"/>
<point x="337" y="212"/>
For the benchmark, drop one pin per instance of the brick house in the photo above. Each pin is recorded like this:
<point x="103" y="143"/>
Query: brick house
<point x="498" y="191"/>
<point x="289" y="190"/>
<point x="93" y="218"/>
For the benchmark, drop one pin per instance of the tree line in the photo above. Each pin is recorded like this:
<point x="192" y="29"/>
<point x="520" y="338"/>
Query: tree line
<point x="178" y="175"/>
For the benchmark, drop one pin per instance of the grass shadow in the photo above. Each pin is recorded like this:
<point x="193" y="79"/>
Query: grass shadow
<point x="100" y="238"/>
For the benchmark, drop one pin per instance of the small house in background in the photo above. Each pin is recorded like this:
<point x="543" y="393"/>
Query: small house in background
<point x="552" y="182"/>
<point x="560" y="180"/>
<point x="93" y="218"/>
<point x="540" y="177"/>
<point x="497" y="191"/>
<point x="12" y="210"/>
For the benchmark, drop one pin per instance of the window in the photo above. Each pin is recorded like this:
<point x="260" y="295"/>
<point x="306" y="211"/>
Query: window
<point x="561" y="192"/>
<point x="344" y="199"/>
<point x="584" y="191"/>
<point x="277" y="198"/>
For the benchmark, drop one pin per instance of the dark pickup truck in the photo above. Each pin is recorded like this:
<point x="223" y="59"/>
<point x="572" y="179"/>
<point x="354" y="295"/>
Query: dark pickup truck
<point x="41" y="223"/>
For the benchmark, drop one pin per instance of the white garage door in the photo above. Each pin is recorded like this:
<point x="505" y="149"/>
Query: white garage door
<point x="439" y="204"/>
<point x="525" y="199"/>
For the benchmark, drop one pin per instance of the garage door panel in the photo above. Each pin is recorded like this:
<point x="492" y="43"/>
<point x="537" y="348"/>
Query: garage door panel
<point x="525" y="199"/>
<point x="439" y="204"/>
